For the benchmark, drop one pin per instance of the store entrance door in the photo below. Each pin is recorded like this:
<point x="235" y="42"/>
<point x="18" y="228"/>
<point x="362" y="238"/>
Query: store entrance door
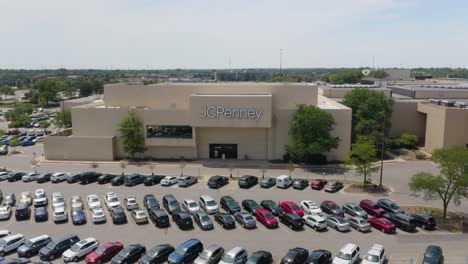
<point x="218" y="150"/>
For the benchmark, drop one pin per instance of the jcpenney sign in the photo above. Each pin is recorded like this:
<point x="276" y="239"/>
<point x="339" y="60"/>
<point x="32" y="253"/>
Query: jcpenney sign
<point x="230" y="113"/>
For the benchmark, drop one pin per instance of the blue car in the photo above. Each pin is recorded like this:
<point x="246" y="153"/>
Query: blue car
<point x="187" y="252"/>
<point x="27" y="143"/>
<point x="78" y="216"/>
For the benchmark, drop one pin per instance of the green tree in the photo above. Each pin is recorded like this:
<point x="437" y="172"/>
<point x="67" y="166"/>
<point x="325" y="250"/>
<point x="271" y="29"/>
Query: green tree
<point x="378" y="74"/>
<point x="408" y="141"/>
<point x="311" y="132"/>
<point x="14" y="142"/>
<point x="362" y="157"/>
<point x="63" y="119"/>
<point x="132" y="135"/>
<point x="370" y="109"/>
<point x="21" y="121"/>
<point x="7" y="90"/>
<point x="345" y="77"/>
<point x="45" y="91"/>
<point x="452" y="182"/>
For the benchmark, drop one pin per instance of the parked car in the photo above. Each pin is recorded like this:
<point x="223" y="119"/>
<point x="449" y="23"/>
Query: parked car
<point x="29" y="177"/>
<point x="105" y="178"/>
<point x="150" y="202"/>
<point x="186" y="181"/>
<point x="76" y="202"/>
<point x="375" y="255"/>
<point x="153" y="179"/>
<point x="300" y="184"/>
<point x="10" y="243"/>
<point x="5" y="212"/>
<point x="158" y="254"/>
<point x="32" y="246"/>
<point x="247" y="181"/>
<point x="57" y="199"/>
<point x="266" y="218"/>
<point x="225" y="220"/>
<point x="284" y="181"/>
<point x="183" y="220"/>
<point x="229" y="204"/>
<point x="216" y="182"/>
<point x="80" y="250"/>
<point x="40" y="198"/>
<point x="293" y="221"/>
<point x="130" y="254"/>
<point x="338" y="223"/>
<point x="382" y="224"/>
<point x="402" y="221"/>
<point x="3" y="150"/>
<point x="56" y="247"/>
<point x="295" y="255"/>
<point x="26" y="198"/>
<point x="93" y="201"/>
<point x="15" y="176"/>
<point x="74" y="177"/>
<point x="331" y="208"/>
<point x="59" y="177"/>
<point x="10" y="199"/>
<point x="260" y="257"/>
<point x="4" y="175"/>
<point x="41" y="214"/>
<point x="234" y="256"/>
<point x="371" y="208"/>
<point x="333" y="186"/>
<point x="43" y="177"/>
<point x="267" y="182"/>
<point x="203" y="220"/>
<point x="104" y="252"/>
<point x="88" y="177"/>
<point x="134" y="179"/>
<point x="22" y="212"/>
<point x="319" y="256"/>
<point x="318" y="184"/>
<point x="354" y="210"/>
<point x="27" y="143"/>
<point x="208" y="204"/>
<point x="190" y="206"/>
<point x="118" y="215"/>
<point x="210" y="255"/>
<point x="310" y="207"/>
<point x="315" y="221"/>
<point x="359" y="224"/>
<point x="245" y="219"/>
<point x="169" y="180"/>
<point x="59" y="214"/>
<point x="433" y="255"/>
<point x="170" y="204"/>
<point x="271" y="206"/>
<point x="348" y="254"/>
<point x="98" y="215"/>
<point x="139" y="216"/>
<point x="425" y="221"/>
<point x="112" y="200"/>
<point x="159" y="217"/>
<point x="187" y="252"/>
<point x="250" y="206"/>
<point x="117" y="180"/>
<point x="291" y="208"/>
<point x="390" y="206"/>
<point x="78" y="216"/>
<point x="4" y="233"/>
<point x="131" y="203"/>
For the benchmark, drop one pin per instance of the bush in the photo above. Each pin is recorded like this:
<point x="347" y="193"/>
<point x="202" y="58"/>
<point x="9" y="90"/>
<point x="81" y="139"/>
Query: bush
<point x="408" y="141"/>
<point x="420" y="155"/>
<point x="394" y="143"/>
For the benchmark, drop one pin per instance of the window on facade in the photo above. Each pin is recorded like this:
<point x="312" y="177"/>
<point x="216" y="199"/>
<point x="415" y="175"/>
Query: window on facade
<point x="169" y="132"/>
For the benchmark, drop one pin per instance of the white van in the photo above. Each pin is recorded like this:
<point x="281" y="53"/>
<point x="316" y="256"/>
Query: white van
<point x="284" y="181"/>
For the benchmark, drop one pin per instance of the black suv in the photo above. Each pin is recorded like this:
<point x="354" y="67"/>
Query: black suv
<point x="390" y="207"/>
<point x="88" y="177"/>
<point x="118" y="215"/>
<point x="217" y="181"/>
<point x="150" y="202"/>
<point x="105" y="178"/>
<point x="130" y="254"/>
<point x="15" y="176"/>
<point x="22" y="211"/>
<point x="229" y="204"/>
<point x="32" y="246"/>
<point x="170" y="203"/>
<point x="292" y="220"/>
<point x="183" y="220"/>
<point x="250" y="206"/>
<point x="158" y="254"/>
<point x="134" y="179"/>
<point x="55" y="248"/>
<point x="117" y="180"/>
<point x="247" y="181"/>
<point x="425" y="221"/>
<point x="402" y="221"/>
<point x="271" y="206"/>
<point x="159" y="218"/>
<point x="296" y="256"/>
<point x="153" y="179"/>
<point x="44" y="177"/>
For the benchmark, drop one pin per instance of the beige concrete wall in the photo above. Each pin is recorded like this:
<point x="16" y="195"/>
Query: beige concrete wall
<point x="456" y="127"/>
<point x="407" y="119"/>
<point x="435" y="126"/>
<point x="441" y="94"/>
<point x="97" y="122"/>
<point x="341" y="92"/>
<point x="161" y="152"/>
<point x="79" y="148"/>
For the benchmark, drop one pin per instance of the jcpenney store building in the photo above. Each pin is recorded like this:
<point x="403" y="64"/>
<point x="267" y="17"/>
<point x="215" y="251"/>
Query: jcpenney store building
<point x="195" y="121"/>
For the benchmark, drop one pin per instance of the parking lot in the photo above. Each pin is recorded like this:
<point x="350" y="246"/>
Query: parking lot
<point x="402" y="247"/>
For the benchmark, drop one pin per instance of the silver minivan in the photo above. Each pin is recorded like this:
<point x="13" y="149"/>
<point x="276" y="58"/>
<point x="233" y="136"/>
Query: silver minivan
<point x="236" y="255"/>
<point x="210" y="255"/>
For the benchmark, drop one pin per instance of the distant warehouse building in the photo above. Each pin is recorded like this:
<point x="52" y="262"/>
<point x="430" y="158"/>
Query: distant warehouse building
<point x="196" y="121"/>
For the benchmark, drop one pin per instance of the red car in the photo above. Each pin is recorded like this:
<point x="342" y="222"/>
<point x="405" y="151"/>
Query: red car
<point x="266" y="217"/>
<point x="371" y="208"/>
<point x="318" y="184"/>
<point x="104" y="252"/>
<point x="382" y="224"/>
<point x="291" y="208"/>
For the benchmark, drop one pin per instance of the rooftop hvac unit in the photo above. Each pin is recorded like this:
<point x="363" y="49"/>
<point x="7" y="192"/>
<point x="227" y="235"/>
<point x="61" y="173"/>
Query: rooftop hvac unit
<point x="448" y="103"/>
<point x="462" y="104"/>
<point x="435" y="101"/>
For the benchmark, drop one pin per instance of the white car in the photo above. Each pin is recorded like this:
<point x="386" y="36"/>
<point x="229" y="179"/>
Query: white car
<point x="4" y="175"/>
<point x="208" y="204"/>
<point x="169" y="180"/>
<point x="349" y="254"/>
<point x="76" y="202"/>
<point x="5" y="212"/>
<point x="4" y="233"/>
<point x="375" y="255"/>
<point x="98" y="216"/>
<point x="131" y="203"/>
<point x="315" y="221"/>
<point x="40" y="198"/>
<point x="11" y="243"/>
<point x="93" y="201"/>
<point x="26" y="198"/>
<point x="59" y="177"/>
<point x="139" y="216"/>
<point x="310" y="207"/>
<point x="190" y="206"/>
<point x="58" y="200"/>
<point x="31" y="176"/>
<point x="80" y="249"/>
<point x="60" y="214"/>
<point x="112" y="200"/>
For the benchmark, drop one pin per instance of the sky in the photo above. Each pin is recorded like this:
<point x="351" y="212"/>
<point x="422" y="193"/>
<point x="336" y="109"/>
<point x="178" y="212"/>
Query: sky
<point x="189" y="34"/>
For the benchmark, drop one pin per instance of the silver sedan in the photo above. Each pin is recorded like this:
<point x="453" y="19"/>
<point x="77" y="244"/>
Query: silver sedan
<point x="359" y="224"/>
<point x="338" y="223"/>
<point x="140" y="216"/>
